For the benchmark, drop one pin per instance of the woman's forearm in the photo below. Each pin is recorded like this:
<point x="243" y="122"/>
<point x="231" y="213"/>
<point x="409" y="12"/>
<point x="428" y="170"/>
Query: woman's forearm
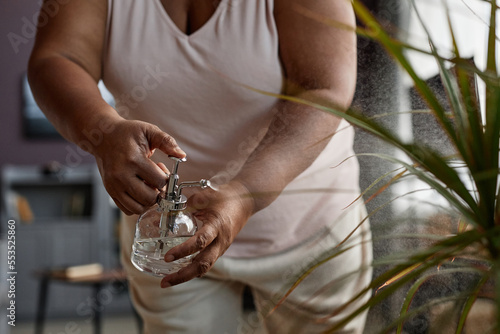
<point x="297" y="135"/>
<point x="319" y="63"/>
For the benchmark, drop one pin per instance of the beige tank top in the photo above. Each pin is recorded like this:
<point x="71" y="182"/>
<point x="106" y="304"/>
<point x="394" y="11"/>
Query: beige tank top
<point x="192" y="87"/>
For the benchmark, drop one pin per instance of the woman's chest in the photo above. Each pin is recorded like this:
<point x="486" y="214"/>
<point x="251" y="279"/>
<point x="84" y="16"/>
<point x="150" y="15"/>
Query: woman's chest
<point x="189" y="15"/>
<point x="148" y="58"/>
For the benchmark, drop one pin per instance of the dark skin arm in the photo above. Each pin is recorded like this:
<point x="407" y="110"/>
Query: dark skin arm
<point x="320" y="65"/>
<point x="63" y="71"/>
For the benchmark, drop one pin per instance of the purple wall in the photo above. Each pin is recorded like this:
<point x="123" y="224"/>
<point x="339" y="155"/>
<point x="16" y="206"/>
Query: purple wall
<point x="16" y="41"/>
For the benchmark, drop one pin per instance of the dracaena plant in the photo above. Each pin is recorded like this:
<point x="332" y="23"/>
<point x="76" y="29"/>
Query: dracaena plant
<point x="468" y="179"/>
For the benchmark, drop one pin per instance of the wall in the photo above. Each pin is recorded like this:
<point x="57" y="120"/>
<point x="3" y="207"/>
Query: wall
<point x="378" y="91"/>
<point x="16" y="42"/>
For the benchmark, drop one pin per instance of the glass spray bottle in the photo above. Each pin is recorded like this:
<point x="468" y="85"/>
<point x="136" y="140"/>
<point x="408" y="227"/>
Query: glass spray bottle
<point x="164" y="226"/>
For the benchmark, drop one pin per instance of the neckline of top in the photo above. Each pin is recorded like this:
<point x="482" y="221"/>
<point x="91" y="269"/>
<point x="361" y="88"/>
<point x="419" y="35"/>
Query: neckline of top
<point x="198" y="31"/>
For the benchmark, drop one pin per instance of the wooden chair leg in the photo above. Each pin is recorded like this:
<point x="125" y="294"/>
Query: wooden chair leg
<point x="97" y="314"/>
<point x="42" y="304"/>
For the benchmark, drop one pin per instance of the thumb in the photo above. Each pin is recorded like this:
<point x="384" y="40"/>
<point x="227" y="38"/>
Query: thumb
<point x="164" y="142"/>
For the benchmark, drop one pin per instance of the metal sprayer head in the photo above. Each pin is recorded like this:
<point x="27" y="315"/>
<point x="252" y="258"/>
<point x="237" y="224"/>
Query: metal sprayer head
<point x="174" y="200"/>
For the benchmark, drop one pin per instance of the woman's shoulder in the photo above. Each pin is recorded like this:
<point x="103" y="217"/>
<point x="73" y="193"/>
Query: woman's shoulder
<point x="73" y="29"/>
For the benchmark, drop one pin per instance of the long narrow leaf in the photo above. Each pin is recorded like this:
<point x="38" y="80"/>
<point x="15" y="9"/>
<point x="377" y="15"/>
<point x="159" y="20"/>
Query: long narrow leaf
<point x="424" y="157"/>
<point x="492" y="130"/>
<point x="373" y="184"/>
<point x="397" y="51"/>
<point x="468" y="146"/>
<point x="418" y="284"/>
<point x="445" y="173"/>
<point x="471" y="123"/>
<point x="386" y="185"/>
<point x="430" y="257"/>
<point x="383" y="294"/>
<point x="471" y="299"/>
<point x="427" y="159"/>
<point x="443" y="191"/>
<point x="306" y="273"/>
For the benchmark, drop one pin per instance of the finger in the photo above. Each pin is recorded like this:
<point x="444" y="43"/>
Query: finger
<point x="141" y="192"/>
<point x="122" y="207"/>
<point x="163" y="168"/>
<point x="200" y="266"/>
<point x="131" y="194"/>
<point x="152" y="174"/>
<point x="166" y="143"/>
<point x="130" y="205"/>
<point x="201" y="240"/>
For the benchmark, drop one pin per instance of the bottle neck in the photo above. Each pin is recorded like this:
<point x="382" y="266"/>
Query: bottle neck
<point x="177" y="204"/>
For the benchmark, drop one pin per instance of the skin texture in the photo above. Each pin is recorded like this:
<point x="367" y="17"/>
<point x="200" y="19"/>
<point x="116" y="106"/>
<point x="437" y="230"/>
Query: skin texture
<point x="319" y="63"/>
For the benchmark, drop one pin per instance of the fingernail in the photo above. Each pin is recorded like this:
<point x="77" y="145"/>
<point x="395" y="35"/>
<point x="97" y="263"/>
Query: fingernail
<point x="169" y="258"/>
<point x="165" y="284"/>
<point x="178" y="150"/>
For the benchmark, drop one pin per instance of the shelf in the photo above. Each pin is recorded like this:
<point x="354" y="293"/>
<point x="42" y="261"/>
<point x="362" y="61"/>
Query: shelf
<point x="29" y="193"/>
<point x="57" y="201"/>
<point x="72" y="223"/>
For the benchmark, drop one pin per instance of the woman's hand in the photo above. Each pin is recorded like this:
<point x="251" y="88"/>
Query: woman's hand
<point x="130" y="177"/>
<point x="223" y="214"/>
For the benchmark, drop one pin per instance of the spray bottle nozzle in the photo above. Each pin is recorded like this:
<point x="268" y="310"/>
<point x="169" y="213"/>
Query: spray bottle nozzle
<point x="173" y="179"/>
<point x="173" y="196"/>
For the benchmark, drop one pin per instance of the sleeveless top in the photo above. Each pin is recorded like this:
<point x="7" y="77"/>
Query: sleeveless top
<point x="196" y="88"/>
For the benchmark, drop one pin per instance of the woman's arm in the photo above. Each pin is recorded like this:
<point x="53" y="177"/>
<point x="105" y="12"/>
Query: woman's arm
<point x="63" y="72"/>
<point x="320" y="65"/>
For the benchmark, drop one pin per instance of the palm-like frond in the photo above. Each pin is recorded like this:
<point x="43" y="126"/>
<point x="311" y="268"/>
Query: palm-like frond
<point x="476" y="141"/>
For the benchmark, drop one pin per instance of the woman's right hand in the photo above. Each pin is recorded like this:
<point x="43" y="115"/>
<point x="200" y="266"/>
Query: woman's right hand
<point x="64" y="69"/>
<point x="130" y="177"/>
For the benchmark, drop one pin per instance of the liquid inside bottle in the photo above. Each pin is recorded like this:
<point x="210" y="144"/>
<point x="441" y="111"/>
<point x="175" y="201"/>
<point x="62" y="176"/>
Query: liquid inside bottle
<point x="165" y="225"/>
<point x="148" y="255"/>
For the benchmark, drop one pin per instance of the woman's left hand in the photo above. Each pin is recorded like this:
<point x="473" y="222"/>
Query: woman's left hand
<point x="223" y="214"/>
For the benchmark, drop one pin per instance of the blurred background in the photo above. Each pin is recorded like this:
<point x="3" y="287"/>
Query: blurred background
<point x="64" y="218"/>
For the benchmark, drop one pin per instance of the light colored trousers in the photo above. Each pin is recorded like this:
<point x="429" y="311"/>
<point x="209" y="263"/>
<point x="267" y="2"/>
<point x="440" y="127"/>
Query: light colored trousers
<point x="213" y="304"/>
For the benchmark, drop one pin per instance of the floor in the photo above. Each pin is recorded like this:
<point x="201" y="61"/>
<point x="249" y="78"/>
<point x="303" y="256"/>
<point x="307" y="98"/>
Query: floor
<point x="111" y="324"/>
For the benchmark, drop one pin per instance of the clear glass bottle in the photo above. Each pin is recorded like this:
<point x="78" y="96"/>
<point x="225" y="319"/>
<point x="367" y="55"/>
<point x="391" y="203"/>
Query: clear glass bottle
<point x="164" y="226"/>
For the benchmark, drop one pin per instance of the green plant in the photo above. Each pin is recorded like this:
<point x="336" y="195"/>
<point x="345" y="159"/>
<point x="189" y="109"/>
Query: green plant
<point x="468" y="180"/>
